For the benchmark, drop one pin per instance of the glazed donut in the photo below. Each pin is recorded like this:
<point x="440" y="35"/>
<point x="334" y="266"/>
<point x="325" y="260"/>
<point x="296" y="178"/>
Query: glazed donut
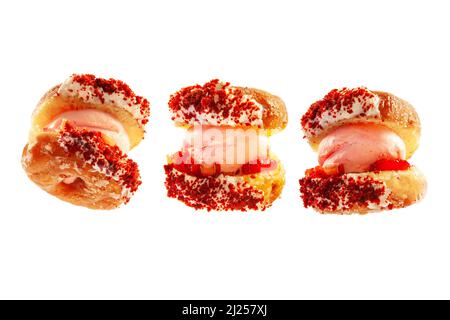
<point x="209" y="182"/>
<point x="81" y="131"/>
<point x="364" y="139"/>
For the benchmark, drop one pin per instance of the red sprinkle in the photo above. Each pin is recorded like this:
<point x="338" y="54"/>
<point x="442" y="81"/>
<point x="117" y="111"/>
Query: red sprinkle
<point x="390" y="165"/>
<point x="330" y="193"/>
<point x="334" y="102"/>
<point x="211" y="193"/>
<point x="93" y="149"/>
<point x="217" y="99"/>
<point x="111" y="86"/>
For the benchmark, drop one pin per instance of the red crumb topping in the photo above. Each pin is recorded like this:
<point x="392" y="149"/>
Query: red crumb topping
<point x="212" y="193"/>
<point x="339" y="192"/>
<point x="108" y="159"/>
<point x="390" y="165"/>
<point x="111" y="86"/>
<point x="219" y="100"/>
<point x="334" y="102"/>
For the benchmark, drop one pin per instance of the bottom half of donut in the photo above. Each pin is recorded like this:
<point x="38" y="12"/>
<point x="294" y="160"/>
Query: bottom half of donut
<point x="362" y="193"/>
<point x="102" y="177"/>
<point x="255" y="192"/>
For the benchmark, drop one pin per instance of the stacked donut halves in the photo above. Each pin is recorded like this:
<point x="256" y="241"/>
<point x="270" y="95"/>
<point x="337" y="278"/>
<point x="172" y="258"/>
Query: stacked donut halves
<point x="364" y="139"/>
<point x="81" y="132"/>
<point x="221" y="185"/>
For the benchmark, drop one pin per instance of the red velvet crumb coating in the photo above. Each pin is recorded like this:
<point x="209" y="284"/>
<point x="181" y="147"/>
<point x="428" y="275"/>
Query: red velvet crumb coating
<point x="340" y="193"/>
<point x="214" y="103"/>
<point x="333" y="103"/>
<point x="104" y="158"/>
<point x="111" y="86"/>
<point x="212" y="193"/>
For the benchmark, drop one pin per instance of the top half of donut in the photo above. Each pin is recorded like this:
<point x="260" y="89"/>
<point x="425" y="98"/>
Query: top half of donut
<point x="81" y="92"/>
<point x="360" y="105"/>
<point x="219" y="104"/>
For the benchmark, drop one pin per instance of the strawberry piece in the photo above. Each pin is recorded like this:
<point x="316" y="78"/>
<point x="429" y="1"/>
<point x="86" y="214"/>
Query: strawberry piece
<point x="390" y="165"/>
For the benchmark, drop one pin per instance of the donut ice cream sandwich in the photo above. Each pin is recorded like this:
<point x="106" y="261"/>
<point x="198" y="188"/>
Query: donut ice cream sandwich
<point x="80" y="135"/>
<point x="225" y="162"/>
<point x="364" y="140"/>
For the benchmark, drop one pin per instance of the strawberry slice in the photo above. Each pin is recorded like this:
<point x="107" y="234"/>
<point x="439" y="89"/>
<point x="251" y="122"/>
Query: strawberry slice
<point x="390" y="165"/>
<point x="260" y="166"/>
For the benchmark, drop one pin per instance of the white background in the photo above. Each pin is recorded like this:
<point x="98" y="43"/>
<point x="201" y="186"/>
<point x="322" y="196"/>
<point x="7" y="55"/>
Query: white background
<point x="156" y="247"/>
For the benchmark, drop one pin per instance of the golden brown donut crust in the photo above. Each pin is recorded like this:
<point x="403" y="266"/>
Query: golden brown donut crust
<point x="401" y="117"/>
<point x="275" y="116"/>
